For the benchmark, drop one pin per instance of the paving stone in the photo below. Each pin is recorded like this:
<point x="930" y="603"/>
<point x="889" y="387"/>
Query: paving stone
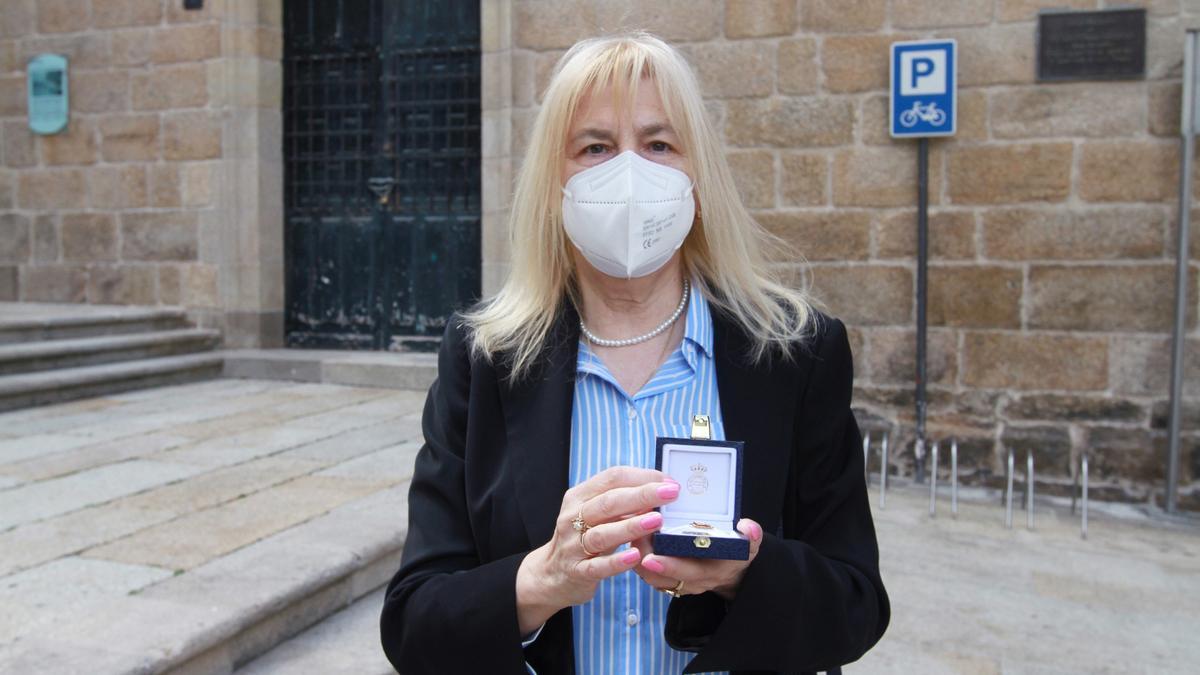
<point x="21" y="423"/>
<point x="60" y="495"/>
<point x="356" y="442"/>
<point x="400" y="403"/>
<point x="92" y="455"/>
<point x="229" y="424"/>
<point x="220" y="486"/>
<point x="47" y="593"/>
<point x="32" y="544"/>
<point x="305" y="406"/>
<point x="224" y="414"/>
<point x="394" y="463"/>
<point x="217" y="404"/>
<point x="243" y="447"/>
<point x="167" y="395"/>
<point x="199" y="537"/>
<point x="316" y="552"/>
<point x="19" y="449"/>
<point x="54" y="416"/>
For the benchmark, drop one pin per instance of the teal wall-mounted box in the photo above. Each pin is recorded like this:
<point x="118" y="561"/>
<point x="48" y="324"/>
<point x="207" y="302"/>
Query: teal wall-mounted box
<point x="47" y="93"/>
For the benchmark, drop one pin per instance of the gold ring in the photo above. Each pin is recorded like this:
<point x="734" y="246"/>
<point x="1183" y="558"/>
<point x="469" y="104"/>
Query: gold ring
<point x="584" y="546"/>
<point x="702" y="526"/>
<point x="674" y="592"/>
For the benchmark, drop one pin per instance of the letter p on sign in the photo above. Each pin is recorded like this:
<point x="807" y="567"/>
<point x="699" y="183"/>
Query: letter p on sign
<point x="923" y="73"/>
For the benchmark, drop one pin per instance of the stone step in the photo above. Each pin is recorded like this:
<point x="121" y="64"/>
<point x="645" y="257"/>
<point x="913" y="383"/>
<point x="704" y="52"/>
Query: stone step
<point x="28" y="357"/>
<point x="30" y="322"/>
<point x="51" y="386"/>
<point x="222" y="614"/>
<point x="346" y="643"/>
<point x="387" y="370"/>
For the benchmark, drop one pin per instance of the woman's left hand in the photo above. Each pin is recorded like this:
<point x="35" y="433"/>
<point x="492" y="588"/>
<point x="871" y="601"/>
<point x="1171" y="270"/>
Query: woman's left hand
<point x="720" y="576"/>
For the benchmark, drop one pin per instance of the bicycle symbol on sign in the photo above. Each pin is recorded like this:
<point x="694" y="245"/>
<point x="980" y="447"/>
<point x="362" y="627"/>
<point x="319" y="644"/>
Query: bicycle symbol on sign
<point x="925" y="113"/>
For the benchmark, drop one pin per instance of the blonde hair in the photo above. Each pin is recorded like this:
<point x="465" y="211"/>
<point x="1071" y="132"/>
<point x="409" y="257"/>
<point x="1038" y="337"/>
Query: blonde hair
<point x="726" y="251"/>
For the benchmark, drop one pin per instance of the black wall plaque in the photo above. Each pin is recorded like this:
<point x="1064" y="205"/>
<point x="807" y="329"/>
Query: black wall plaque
<point x="1103" y="45"/>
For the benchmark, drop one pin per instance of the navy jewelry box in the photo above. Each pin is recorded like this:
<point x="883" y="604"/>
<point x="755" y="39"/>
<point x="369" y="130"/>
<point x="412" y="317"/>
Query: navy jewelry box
<point x="700" y="523"/>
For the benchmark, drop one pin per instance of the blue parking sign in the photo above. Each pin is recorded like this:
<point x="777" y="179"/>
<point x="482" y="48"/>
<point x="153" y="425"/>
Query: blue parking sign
<point x="924" y="99"/>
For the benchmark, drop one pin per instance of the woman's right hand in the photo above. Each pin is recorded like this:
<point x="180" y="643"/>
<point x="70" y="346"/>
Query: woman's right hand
<point x="617" y="504"/>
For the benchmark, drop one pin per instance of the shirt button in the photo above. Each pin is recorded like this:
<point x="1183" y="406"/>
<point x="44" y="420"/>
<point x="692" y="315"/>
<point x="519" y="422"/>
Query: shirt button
<point x="631" y="618"/>
<point x="632" y="412"/>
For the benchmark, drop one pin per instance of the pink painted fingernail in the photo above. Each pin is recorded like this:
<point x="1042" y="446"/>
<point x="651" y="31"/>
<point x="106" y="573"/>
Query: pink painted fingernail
<point x="631" y="556"/>
<point x="758" y="533"/>
<point x="668" y="491"/>
<point x="653" y="565"/>
<point x="651" y="521"/>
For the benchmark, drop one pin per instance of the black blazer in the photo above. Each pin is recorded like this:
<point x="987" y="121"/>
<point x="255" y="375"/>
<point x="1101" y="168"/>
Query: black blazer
<point x="489" y="482"/>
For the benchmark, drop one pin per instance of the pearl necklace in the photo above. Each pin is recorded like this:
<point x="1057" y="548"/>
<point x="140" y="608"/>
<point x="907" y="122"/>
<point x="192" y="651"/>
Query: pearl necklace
<point x="641" y="338"/>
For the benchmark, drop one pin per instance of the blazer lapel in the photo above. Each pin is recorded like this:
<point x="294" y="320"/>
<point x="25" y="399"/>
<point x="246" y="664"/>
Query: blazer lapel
<point x="537" y="415"/>
<point x="758" y="407"/>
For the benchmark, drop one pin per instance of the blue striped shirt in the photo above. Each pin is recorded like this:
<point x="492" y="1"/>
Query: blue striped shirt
<point x="621" y="629"/>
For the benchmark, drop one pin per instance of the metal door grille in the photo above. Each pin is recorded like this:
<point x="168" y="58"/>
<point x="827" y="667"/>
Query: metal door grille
<point x="382" y="178"/>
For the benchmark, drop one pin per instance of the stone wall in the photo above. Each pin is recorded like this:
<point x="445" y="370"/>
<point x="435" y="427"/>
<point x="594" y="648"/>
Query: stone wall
<point x="166" y="187"/>
<point x="1052" y="211"/>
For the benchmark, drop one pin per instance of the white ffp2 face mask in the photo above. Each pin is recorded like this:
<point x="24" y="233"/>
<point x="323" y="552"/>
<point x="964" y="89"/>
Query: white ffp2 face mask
<point x="628" y="215"/>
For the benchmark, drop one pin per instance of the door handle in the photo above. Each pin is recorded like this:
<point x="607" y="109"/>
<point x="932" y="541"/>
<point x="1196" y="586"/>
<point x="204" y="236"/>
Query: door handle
<point x="382" y="187"/>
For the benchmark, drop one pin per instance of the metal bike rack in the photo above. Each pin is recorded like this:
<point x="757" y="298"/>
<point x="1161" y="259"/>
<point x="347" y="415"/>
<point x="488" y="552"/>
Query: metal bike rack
<point x="1008" y="493"/>
<point x="867" y="458"/>
<point x="883" y="473"/>
<point x="954" y="478"/>
<point x="1029" y="486"/>
<point x="933" y="469"/>
<point x="1080" y="489"/>
<point x="1084" y="471"/>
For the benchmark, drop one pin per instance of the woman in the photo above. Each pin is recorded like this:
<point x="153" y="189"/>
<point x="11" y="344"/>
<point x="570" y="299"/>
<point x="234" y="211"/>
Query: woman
<point x="640" y="294"/>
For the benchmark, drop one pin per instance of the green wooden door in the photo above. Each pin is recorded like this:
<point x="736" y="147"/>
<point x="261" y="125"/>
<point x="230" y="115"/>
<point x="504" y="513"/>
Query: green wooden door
<point x="382" y="169"/>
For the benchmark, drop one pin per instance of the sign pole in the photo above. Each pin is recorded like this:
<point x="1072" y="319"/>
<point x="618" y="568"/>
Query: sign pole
<point x="923" y="103"/>
<point x="922" y="294"/>
<point x="1188" y="124"/>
